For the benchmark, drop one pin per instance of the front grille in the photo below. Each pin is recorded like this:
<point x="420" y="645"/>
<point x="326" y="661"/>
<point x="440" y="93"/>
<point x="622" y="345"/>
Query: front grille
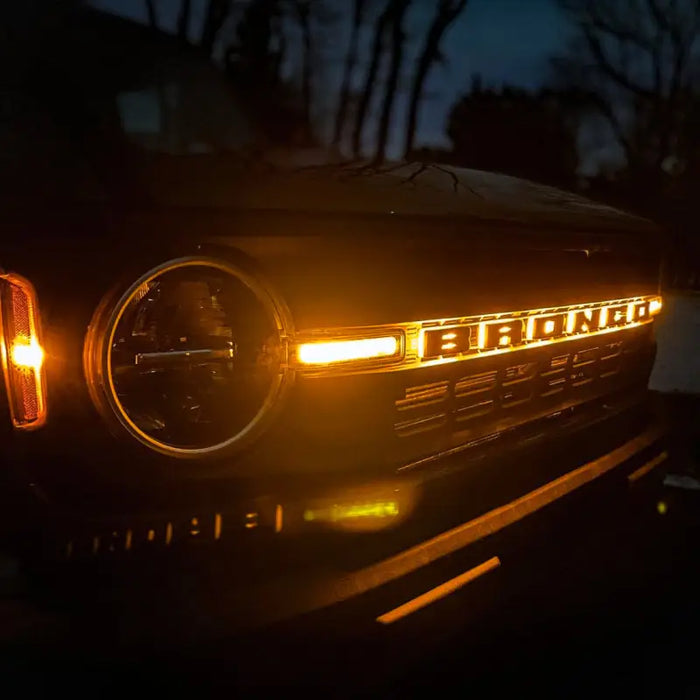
<point x="502" y="392"/>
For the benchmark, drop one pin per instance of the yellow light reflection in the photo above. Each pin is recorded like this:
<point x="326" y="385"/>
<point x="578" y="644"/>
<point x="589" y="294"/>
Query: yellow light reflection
<point x="655" y="306"/>
<point x="549" y="327"/>
<point x="603" y="318"/>
<point x="630" y="312"/>
<point x="449" y="336"/>
<point x="27" y="354"/>
<point x="337" y="512"/>
<point x="449" y="346"/>
<point x="347" y="350"/>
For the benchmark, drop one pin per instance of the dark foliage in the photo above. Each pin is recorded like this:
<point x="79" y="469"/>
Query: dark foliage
<point x="515" y="132"/>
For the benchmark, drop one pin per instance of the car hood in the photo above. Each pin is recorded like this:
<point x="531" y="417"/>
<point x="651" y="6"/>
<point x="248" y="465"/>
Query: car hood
<point x="399" y="189"/>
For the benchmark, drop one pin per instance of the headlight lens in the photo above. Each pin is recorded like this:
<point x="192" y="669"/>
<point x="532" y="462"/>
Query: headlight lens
<point x="193" y="357"/>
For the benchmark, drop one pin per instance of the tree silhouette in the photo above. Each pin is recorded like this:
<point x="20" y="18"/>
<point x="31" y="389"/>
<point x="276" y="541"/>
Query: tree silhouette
<point x="635" y="59"/>
<point x="302" y="12"/>
<point x="446" y="13"/>
<point x="152" y="14"/>
<point x="359" y="7"/>
<point x="183" y="19"/>
<point x="367" y="93"/>
<point x="216" y="14"/>
<point x="515" y="132"/>
<point x="398" y="37"/>
<point x="253" y="62"/>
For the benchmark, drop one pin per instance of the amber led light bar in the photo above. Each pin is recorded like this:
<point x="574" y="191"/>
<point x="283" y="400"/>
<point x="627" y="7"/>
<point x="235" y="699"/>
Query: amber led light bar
<point x="422" y="343"/>
<point x="22" y="352"/>
<point x="325" y="352"/>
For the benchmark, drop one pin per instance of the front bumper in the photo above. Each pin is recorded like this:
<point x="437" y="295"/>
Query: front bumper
<point x="210" y="575"/>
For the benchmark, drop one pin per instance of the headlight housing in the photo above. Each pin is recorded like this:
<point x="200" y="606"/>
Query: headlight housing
<point x="191" y="358"/>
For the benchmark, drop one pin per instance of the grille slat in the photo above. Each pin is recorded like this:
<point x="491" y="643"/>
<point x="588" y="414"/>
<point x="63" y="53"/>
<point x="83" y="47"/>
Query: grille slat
<point x="527" y="387"/>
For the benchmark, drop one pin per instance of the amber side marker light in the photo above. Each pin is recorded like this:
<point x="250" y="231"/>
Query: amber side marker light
<point x="332" y="351"/>
<point x="22" y="352"/>
<point x="655" y="306"/>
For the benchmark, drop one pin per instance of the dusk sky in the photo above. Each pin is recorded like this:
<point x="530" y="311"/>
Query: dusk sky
<point x="506" y="41"/>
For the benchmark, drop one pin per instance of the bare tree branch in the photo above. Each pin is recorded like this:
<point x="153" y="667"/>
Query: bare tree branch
<point x="397" y="40"/>
<point x="446" y="13"/>
<point x="606" y="66"/>
<point x="348" y="69"/>
<point x="371" y="77"/>
<point x="152" y="15"/>
<point x="183" y="19"/>
<point x="217" y="11"/>
<point x="642" y="52"/>
<point x="302" y="9"/>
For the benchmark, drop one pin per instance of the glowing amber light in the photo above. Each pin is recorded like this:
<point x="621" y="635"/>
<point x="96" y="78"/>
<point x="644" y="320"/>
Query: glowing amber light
<point x="22" y="352"/>
<point x="655" y="306"/>
<point x="549" y="327"/>
<point x="27" y="354"/>
<point x="571" y="322"/>
<point x="347" y="350"/>
<point x="530" y="329"/>
<point x="603" y="318"/>
<point x="481" y="336"/>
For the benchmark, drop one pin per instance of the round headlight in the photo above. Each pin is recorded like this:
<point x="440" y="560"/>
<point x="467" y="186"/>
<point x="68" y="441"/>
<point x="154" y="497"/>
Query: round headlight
<point x="190" y="359"/>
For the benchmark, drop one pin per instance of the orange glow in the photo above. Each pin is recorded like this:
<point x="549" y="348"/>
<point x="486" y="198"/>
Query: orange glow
<point x="530" y="332"/>
<point x="279" y="518"/>
<point x="439" y="341"/>
<point x="630" y="312"/>
<point x="194" y="527"/>
<point x="444" y="589"/>
<point x="655" y="306"/>
<point x="481" y="337"/>
<point x="647" y="467"/>
<point x="323" y="353"/>
<point x="27" y="354"/>
<point x="22" y="353"/>
<point x="217" y="526"/>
